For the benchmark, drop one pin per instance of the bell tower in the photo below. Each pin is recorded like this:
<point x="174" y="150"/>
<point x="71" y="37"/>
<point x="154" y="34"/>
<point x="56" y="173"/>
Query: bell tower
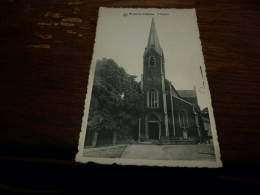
<point x="155" y="117"/>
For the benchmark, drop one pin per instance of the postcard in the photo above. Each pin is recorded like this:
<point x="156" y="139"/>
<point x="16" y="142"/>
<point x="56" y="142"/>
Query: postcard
<point x="148" y="100"/>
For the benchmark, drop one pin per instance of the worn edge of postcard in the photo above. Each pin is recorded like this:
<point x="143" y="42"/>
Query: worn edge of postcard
<point x="147" y="162"/>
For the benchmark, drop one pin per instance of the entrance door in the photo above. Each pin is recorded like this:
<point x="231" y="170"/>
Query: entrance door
<point x="153" y="130"/>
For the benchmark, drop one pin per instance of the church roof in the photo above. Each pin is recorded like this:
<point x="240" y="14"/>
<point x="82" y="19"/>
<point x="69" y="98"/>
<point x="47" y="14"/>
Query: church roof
<point x="187" y="93"/>
<point x="153" y="41"/>
<point x="174" y="91"/>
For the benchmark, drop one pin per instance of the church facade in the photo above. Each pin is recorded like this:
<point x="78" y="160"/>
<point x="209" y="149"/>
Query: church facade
<point x="168" y="115"/>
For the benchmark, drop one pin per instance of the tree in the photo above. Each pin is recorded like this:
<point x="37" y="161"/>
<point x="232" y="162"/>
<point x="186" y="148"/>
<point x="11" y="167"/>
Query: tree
<point x="116" y="98"/>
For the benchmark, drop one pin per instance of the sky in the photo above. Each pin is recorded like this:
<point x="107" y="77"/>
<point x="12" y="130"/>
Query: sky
<point x="122" y="35"/>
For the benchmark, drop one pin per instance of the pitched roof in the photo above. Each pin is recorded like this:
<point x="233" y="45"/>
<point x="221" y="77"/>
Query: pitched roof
<point x="187" y="93"/>
<point x="153" y="41"/>
<point x="174" y="91"/>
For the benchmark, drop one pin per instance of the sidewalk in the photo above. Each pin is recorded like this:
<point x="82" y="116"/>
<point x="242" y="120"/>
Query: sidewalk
<point x="170" y="152"/>
<point x="114" y="151"/>
<point x="154" y="152"/>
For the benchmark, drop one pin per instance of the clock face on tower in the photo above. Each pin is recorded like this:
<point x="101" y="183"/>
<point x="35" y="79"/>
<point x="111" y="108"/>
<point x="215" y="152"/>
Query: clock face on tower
<point x="150" y="76"/>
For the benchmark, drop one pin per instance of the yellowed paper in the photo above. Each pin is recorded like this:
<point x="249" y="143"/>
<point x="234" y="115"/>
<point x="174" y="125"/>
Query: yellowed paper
<point x="148" y="100"/>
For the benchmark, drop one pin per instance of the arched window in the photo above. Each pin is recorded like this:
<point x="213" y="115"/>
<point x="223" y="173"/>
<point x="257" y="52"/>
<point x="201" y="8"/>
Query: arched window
<point x="152" y="62"/>
<point x="152" y="97"/>
<point x="183" y="119"/>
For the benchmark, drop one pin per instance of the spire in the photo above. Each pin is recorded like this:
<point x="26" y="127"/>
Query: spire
<point x="153" y="41"/>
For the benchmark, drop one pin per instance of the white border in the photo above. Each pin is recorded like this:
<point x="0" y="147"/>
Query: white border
<point x="168" y="163"/>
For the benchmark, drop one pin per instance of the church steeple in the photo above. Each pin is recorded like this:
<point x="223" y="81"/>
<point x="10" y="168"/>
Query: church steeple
<point x="153" y="41"/>
<point x="153" y="87"/>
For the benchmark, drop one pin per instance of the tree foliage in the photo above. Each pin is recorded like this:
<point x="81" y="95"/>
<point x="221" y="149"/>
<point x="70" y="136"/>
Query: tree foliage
<point x="116" y="98"/>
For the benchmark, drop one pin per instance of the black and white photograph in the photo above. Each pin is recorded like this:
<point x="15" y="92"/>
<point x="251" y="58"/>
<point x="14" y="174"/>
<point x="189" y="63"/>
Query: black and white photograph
<point x="148" y="100"/>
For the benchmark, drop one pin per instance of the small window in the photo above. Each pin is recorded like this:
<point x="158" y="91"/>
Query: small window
<point x="152" y="62"/>
<point x="153" y="99"/>
<point x="183" y="119"/>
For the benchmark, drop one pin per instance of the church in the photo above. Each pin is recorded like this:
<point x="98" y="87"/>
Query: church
<point x="169" y="116"/>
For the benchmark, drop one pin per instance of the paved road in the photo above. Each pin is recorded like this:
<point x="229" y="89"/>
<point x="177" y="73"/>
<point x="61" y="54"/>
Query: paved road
<point x="169" y="152"/>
